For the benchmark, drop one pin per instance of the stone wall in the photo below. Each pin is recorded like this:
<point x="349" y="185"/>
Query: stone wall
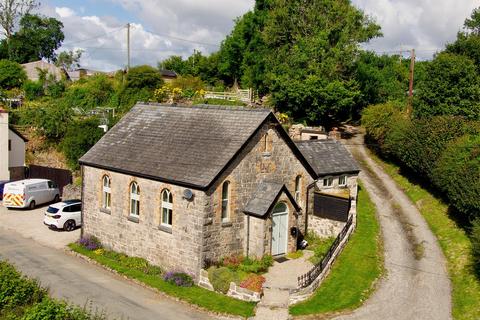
<point x="178" y="248"/>
<point x="266" y="157"/>
<point x="71" y="191"/>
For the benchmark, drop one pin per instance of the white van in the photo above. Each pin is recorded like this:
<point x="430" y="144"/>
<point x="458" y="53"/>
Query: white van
<point x="29" y="193"/>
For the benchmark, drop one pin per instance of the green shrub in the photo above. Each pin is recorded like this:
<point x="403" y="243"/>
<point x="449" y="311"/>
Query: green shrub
<point x="32" y="89"/>
<point x="250" y="265"/>
<point x="457" y="173"/>
<point x="49" y="309"/>
<point x="145" y="76"/>
<point x="220" y="278"/>
<point x="179" y="279"/>
<point x="16" y="290"/>
<point x="12" y="75"/>
<point x="379" y="119"/>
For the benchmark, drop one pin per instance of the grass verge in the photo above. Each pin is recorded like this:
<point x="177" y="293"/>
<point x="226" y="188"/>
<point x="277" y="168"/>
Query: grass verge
<point x="352" y="278"/>
<point x="454" y="241"/>
<point x="195" y="295"/>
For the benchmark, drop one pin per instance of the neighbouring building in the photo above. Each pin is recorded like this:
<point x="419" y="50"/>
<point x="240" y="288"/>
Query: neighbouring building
<point x="300" y="132"/>
<point x="33" y="73"/>
<point x="12" y="147"/>
<point x="168" y="75"/>
<point x="181" y="185"/>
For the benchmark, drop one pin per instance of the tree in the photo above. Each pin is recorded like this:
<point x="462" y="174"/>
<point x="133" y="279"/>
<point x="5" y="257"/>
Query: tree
<point x="451" y="87"/>
<point x="468" y="40"/>
<point x="175" y="63"/>
<point x="37" y="38"/>
<point x="12" y="75"/>
<point x="11" y="11"/>
<point x="69" y="60"/>
<point x="311" y="50"/>
<point x="143" y="77"/>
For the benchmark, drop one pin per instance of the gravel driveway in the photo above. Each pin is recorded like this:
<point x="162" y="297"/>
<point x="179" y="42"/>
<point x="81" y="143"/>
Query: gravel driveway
<point x="416" y="284"/>
<point x="29" y="224"/>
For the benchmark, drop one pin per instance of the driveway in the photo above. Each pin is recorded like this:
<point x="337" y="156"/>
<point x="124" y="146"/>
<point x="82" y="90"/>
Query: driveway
<point x="29" y="224"/>
<point x="79" y="282"/>
<point x="416" y="284"/>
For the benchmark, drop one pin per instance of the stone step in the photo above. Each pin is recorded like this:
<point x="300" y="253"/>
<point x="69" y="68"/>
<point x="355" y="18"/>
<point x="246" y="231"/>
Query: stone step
<point x="275" y="298"/>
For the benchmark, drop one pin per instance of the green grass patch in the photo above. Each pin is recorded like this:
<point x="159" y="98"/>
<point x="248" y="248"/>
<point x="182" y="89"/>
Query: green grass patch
<point x="453" y="240"/>
<point x="319" y="246"/>
<point x="195" y="295"/>
<point x="295" y="255"/>
<point x="355" y="271"/>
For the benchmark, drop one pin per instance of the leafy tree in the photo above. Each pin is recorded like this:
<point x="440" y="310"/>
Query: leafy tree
<point x="13" y="10"/>
<point x="79" y="138"/>
<point x="311" y="48"/>
<point x="468" y="40"/>
<point x="69" y="60"/>
<point x="54" y="120"/>
<point x="175" y="63"/>
<point x="451" y="87"/>
<point x="37" y="38"/>
<point x="143" y="77"/>
<point x="12" y="75"/>
<point x="33" y="89"/>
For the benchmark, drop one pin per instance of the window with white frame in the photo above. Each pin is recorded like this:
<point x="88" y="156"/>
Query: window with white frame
<point x="328" y="181"/>
<point x="106" y="192"/>
<point x="167" y="208"/>
<point x="298" y="186"/>
<point x="342" y="181"/>
<point x="226" y="201"/>
<point x="134" y="199"/>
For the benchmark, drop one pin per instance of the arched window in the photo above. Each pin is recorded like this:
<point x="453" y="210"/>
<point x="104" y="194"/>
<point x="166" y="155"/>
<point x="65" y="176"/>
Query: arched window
<point x="106" y="192"/>
<point x="298" y="188"/>
<point x="167" y="208"/>
<point x="226" y="201"/>
<point x="134" y="199"/>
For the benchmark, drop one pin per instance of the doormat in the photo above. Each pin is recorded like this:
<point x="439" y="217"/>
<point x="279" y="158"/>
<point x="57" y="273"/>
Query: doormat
<point x="280" y="259"/>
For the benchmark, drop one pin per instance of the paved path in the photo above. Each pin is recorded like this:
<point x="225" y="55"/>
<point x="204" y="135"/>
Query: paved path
<point x="78" y="281"/>
<point x="416" y="285"/>
<point x="280" y="278"/>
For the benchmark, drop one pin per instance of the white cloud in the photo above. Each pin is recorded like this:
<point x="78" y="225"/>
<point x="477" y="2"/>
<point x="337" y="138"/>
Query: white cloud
<point x="64" y="12"/>
<point x="425" y="25"/>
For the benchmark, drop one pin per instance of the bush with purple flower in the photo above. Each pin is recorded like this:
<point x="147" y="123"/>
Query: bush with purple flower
<point x="179" y="279"/>
<point x="90" y="243"/>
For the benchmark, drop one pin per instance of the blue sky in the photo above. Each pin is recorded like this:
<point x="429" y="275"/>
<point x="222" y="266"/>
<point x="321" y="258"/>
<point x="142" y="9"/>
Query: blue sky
<point x="425" y="25"/>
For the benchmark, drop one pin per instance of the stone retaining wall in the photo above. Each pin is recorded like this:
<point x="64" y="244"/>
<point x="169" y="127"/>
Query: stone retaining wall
<point x="298" y="295"/>
<point x="234" y="291"/>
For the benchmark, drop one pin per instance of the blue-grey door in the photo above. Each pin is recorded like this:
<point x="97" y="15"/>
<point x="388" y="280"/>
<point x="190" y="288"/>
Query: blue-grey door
<point x="279" y="229"/>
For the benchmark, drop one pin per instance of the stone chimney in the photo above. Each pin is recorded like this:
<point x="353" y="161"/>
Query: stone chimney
<point x="4" y="152"/>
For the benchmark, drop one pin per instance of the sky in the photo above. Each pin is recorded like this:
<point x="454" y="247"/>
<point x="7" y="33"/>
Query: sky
<point x="161" y="28"/>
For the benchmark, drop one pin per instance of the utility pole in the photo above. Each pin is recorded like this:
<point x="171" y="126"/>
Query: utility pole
<point x="410" y="86"/>
<point x="128" y="47"/>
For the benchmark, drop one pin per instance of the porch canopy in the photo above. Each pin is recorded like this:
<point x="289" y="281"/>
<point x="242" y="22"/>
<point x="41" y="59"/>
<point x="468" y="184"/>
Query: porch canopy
<point x="265" y="198"/>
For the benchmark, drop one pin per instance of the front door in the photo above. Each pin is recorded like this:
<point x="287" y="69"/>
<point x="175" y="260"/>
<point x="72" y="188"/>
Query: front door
<point x="279" y="229"/>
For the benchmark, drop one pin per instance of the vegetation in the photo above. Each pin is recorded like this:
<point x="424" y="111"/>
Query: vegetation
<point x="453" y="239"/>
<point x="363" y="254"/>
<point x="23" y="299"/>
<point x="139" y="269"/>
<point x="319" y="246"/>
<point x="12" y="75"/>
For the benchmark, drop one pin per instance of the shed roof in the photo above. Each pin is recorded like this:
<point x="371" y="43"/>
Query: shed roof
<point x="184" y="145"/>
<point x="328" y="157"/>
<point x="265" y="198"/>
<point x="168" y="73"/>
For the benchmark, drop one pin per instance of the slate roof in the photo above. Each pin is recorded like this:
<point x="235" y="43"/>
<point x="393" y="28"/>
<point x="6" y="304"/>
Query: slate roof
<point x="183" y="145"/>
<point x="168" y="73"/>
<point x="328" y="157"/>
<point x="265" y="197"/>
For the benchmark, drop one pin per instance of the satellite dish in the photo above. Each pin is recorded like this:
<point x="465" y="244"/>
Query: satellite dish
<point x="188" y="194"/>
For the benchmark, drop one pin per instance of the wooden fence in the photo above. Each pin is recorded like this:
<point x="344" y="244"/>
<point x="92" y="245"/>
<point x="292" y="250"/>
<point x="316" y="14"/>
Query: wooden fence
<point x="306" y="279"/>
<point x="61" y="176"/>
<point x="239" y="95"/>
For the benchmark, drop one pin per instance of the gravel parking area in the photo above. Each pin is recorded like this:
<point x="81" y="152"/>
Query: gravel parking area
<point x="29" y="224"/>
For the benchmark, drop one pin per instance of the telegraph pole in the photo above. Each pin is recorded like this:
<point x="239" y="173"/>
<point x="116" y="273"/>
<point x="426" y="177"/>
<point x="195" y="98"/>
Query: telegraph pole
<point x="128" y="47"/>
<point x="410" y="86"/>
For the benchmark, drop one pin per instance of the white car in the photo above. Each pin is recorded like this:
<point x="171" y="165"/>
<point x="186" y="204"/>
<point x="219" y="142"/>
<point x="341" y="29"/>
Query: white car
<point x="66" y="215"/>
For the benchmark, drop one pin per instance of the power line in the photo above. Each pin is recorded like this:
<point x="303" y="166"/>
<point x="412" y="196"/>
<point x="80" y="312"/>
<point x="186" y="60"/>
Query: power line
<point x="93" y="38"/>
<point x="182" y="39"/>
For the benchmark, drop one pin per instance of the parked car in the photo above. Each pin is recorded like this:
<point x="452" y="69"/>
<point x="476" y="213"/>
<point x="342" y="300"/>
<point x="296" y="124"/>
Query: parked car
<point x="2" y="184"/>
<point x="64" y="215"/>
<point x="29" y="193"/>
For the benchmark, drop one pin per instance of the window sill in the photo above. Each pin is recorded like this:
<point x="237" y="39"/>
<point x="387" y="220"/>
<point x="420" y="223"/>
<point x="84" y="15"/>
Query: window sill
<point x="105" y="210"/>
<point x="133" y="219"/>
<point x="266" y="154"/>
<point x="166" y="229"/>
<point x="226" y="224"/>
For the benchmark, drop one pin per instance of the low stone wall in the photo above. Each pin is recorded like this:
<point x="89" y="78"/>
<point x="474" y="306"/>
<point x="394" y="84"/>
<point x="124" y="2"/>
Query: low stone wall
<point x="324" y="228"/>
<point x="71" y="191"/>
<point x="234" y="291"/>
<point x="298" y="295"/>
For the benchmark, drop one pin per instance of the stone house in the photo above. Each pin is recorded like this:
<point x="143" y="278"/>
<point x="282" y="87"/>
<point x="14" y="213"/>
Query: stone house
<point x="181" y="185"/>
<point x="12" y="147"/>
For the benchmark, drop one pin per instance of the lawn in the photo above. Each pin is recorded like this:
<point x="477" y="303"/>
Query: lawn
<point x="343" y="288"/>
<point x="453" y="240"/>
<point x="203" y="298"/>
